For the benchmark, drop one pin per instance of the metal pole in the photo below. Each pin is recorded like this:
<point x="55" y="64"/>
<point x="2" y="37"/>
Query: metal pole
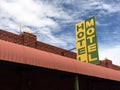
<point x="76" y="82"/>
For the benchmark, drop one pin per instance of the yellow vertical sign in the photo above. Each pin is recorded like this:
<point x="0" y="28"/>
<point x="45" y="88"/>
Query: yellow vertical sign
<point x="81" y="41"/>
<point x="86" y="42"/>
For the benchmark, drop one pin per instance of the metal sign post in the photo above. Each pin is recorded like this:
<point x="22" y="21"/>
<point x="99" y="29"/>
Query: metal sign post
<point x="76" y="82"/>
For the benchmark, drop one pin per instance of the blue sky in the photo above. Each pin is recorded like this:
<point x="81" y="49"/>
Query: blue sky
<point x="53" y="21"/>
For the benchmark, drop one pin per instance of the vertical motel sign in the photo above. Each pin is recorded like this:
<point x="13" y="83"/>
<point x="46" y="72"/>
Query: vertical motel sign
<point x="86" y="41"/>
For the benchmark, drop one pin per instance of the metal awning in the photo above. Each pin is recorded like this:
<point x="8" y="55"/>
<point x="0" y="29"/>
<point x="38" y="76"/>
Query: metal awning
<point x="30" y="56"/>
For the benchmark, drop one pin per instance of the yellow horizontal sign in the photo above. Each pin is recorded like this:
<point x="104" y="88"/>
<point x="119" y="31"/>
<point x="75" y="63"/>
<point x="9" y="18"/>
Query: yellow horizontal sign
<point x="86" y="42"/>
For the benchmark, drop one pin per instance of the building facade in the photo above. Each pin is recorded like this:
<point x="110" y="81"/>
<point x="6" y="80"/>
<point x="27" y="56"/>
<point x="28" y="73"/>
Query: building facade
<point x="27" y="64"/>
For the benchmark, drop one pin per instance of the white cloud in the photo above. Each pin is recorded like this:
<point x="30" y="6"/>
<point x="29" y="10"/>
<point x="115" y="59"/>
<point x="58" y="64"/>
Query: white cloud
<point x="26" y="12"/>
<point x="33" y="14"/>
<point x="102" y="24"/>
<point x="111" y="53"/>
<point x="110" y="8"/>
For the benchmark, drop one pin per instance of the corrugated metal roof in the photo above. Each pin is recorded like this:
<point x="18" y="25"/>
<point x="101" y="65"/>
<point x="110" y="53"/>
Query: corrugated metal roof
<point x="26" y="55"/>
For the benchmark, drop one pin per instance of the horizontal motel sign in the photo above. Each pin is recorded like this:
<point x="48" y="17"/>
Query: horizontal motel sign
<point x="86" y="41"/>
